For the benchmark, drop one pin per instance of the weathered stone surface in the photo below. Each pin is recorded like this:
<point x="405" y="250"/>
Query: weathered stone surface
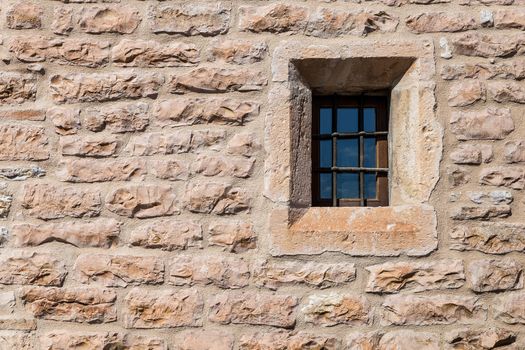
<point x="81" y="304"/>
<point x="61" y="339"/>
<point x="191" y="19"/>
<point x="244" y="144"/>
<point x="24" y="16"/>
<point x="190" y="111"/>
<point x="101" y="233"/>
<point x="399" y="339"/>
<point x="490" y="275"/>
<point x="392" y="277"/>
<point x="506" y="19"/>
<point x="117" y="118"/>
<point x="203" y="340"/>
<point x="119" y="270"/>
<point x="274" y="274"/>
<point x="164" y="308"/>
<point x="506" y="91"/>
<point x="488" y="124"/>
<point x="5" y="205"/>
<point x="7" y="302"/>
<point x="255" y="308"/>
<point x="180" y="141"/>
<point x="405" y="310"/>
<point x="513" y="177"/>
<point x="506" y="70"/>
<point x="510" y="308"/>
<point x="223" y="272"/>
<point x="214" y="79"/>
<point x="147" y="53"/>
<point x="37" y="269"/>
<point x="484" y="45"/>
<point x="17" y="324"/>
<point x="466" y="154"/>
<point x="16" y="340"/>
<point x="514" y="151"/>
<point x="234" y="236"/>
<point x="144" y="201"/>
<point x="63" y="22"/>
<point x="494" y="197"/>
<point x="466" y="93"/>
<point x="287" y="340"/>
<point x="106" y="19"/>
<point x="236" y="51"/>
<point x="217" y="165"/>
<point x="65" y="120"/>
<point x="479" y="339"/>
<point x="171" y="169"/>
<point x="46" y="201"/>
<point x="490" y="238"/>
<point x="333" y="309"/>
<point x="24" y="114"/>
<point x="216" y="198"/>
<point x="434" y="22"/>
<point x="386" y="231"/>
<point x="90" y="170"/>
<point x="326" y="22"/>
<point x="168" y="235"/>
<point x="16" y="88"/>
<point x="100" y="87"/>
<point x="274" y="18"/>
<point x="88" y="146"/>
<point x="20" y="142"/>
<point x="486" y="212"/>
<point x="76" y="52"/>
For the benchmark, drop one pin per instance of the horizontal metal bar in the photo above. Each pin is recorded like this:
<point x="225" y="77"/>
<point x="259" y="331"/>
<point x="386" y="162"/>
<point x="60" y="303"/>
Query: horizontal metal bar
<point x="350" y="134"/>
<point x="352" y="169"/>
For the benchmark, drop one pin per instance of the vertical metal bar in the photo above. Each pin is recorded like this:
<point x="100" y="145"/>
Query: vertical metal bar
<point x="334" y="151"/>
<point x="361" y="153"/>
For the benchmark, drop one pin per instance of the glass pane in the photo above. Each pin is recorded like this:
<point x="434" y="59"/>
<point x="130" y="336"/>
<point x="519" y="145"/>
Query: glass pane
<point x="347" y="152"/>
<point x="347" y="185"/>
<point x="325" y="121"/>
<point x="370" y="152"/>
<point x="347" y="120"/>
<point x="325" y="153"/>
<point x="325" y="185"/>
<point x="369" y="116"/>
<point x="370" y="185"/>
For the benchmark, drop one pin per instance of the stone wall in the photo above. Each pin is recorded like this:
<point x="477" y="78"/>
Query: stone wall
<point x="133" y="143"/>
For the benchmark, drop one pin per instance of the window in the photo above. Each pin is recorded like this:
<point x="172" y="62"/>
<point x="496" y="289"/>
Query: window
<point x="350" y="151"/>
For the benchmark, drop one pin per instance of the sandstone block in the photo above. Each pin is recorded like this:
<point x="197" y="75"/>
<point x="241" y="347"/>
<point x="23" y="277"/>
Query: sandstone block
<point x="494" y="197"/>
<point x="490" y="238"/>
<point x="217" y="165"/>
<point x="274" y="18"/>
<point x="243" y="144"/>
<point x="117" y="119"/>
<point x="236" y="51"/>
<point x="288" y="340"/>
<point x="20" y="142"/>
<point x="393" y="277"/>
<point x="484" y="45"/>
<point x="81" y="304"/>
<point x="89" y="146"/>
<point x="5" y="205"/>
<point x="61" y="339"/>
<point x="490" y="275"/>
<point x="191" y="19"/>
<point x="506" y="91"/>
<point x="190" y="111"/>
<point x="400" y="339"/>
<point x="435" y="22"/>
<point x="142" y="201"/>
<point x="507" y="19"/>
<point x="234" y="236"/>
<point x="274" y="274"/>
<point x="510" y="308"/>
<point x="466" y="154"/>
<point x="101" y="233"/>
<point x="76" y="52"/>
<point x="514" y="151"/>
<point x="513" y="177"/>
<point x="7" y="302"/>
<point x="164" y="308"/>
<point x="223" y="272"/>
<point x="106" y="19"/>
<point x="168" y="235"/>
<point x="119" y="270"/>
<point x="24" y="16"/>
<point x="170" y="169"/>
<point x="253" y="308"/>
<point x="17" y="324"/>
<point x="65" y="120"/>
<point x="466" y="93"/>
<point x="333" y="309"/>
<point x="100" y="87"/>
<point x="216" y="198"/>
<point x="486" y="212"/>
<point x="213" y="79"/>
<point x="17" y="88"/>
<point x="147" y="53"/>
<point x="479" y="339"/>
<point x="17" y="340"/>
<point x="487" y="124"/>
<point x="24" y="114"/>
<point x="326" y="23"/>
<point x="506" y="70"/>
<point x="37" y="269"/>
<point x="89" y="170"/>
<point x="203" y="340"/>
<point x="63" y="21"/>
<point x="46" y="201"/>
<point x="403" y="310"/>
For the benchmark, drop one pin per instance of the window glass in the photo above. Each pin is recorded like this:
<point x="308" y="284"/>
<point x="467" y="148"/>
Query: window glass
<point x="325" y="185"/>
<point x="347" y="120"/>
<point x="370" y="185"/>
<point x="370" y="154"/>
<point x="347" y="185"/>
<point x="325" y="154"/>
<point x="369" y="119"/>
<point x="347" y="152"/>
<point x="325" y="121"/>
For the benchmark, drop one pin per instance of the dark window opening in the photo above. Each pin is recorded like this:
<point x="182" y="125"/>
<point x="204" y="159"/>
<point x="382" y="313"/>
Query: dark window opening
<point x="350" y="151"/>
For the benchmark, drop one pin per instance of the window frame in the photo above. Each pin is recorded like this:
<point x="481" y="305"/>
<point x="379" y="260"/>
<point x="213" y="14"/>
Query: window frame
<point x="377" y="100"/>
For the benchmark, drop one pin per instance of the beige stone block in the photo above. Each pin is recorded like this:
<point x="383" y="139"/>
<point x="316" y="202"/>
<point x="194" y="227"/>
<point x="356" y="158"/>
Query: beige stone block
<point x="89" y="145"/>
<point x="435" y="22"/>
<point x="23" y="142"/>
<point x="142" y="201"/>
<point x="488" y="124"/>
<point x="148" y="53"/>
<point x="167" y="234"/>
<point x="35" y="269"/>
<point x="117" y="119"/>
<point x="217" y="79"/>
<point x="234" y="236"/>
<point x="24" y="16"/>
<point x="335" y="309"/>
<point x="17" y="88"/>
<point x="109" y="19"/>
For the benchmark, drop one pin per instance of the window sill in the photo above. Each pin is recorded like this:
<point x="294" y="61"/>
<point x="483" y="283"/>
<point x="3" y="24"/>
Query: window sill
<point x="356" y="231"/>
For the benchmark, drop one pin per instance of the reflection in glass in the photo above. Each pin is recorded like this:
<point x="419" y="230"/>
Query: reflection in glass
<point x="325" y="153"/>
<point x="347" y="152"/>
<point x="370" y="185"/>
<point x="370" y="154"/>
<point x="325" y="185"/>
<point x="369" y="119"/>
<point x="325" y="121"/>
<point x="347" y="120"/>
<point x="347" y="185"/>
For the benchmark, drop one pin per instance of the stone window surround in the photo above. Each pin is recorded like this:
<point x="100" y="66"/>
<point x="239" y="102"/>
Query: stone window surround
<point x="408" y="225"/>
